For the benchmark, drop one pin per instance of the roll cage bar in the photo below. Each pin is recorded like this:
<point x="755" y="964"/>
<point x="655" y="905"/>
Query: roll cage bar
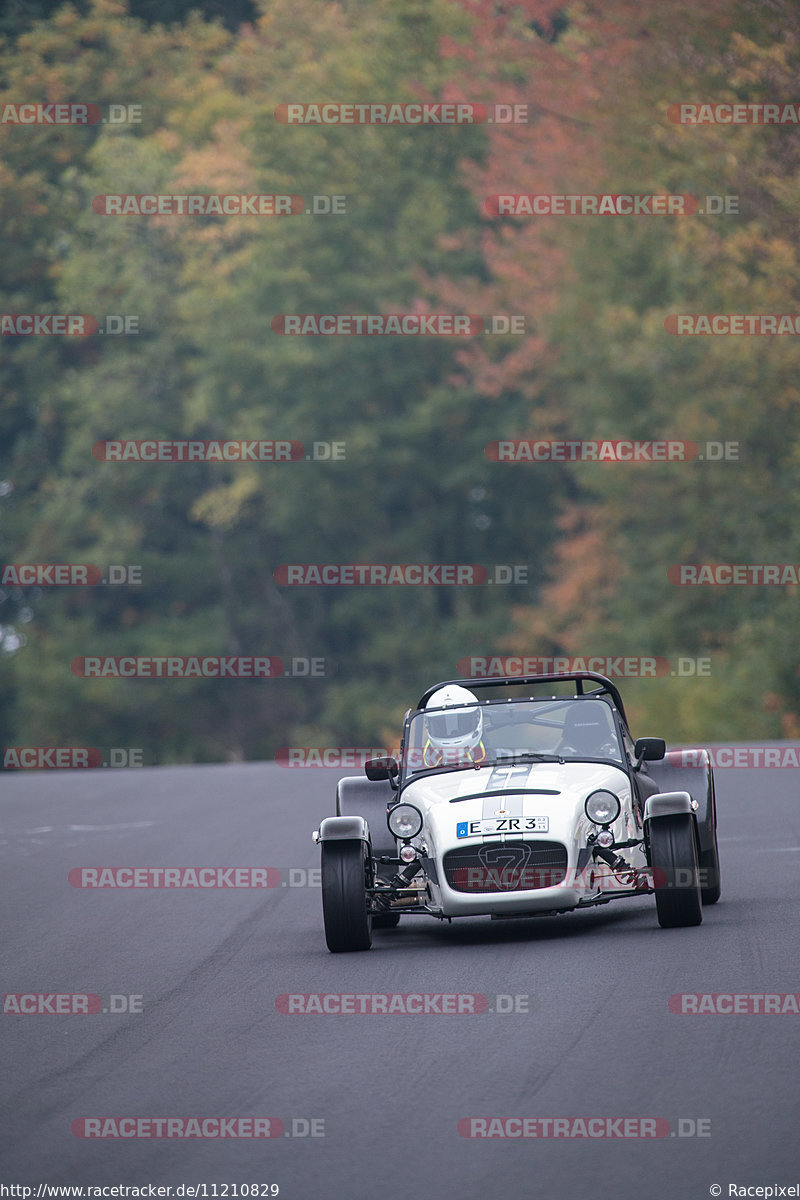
<point x="580" y="678"/>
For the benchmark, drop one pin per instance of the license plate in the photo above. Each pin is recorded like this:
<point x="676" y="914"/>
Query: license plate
<point x="502" y="825"/>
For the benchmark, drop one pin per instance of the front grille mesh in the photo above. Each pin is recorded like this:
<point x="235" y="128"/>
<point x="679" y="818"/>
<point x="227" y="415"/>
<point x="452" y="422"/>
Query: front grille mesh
<point x="506" y="866"/>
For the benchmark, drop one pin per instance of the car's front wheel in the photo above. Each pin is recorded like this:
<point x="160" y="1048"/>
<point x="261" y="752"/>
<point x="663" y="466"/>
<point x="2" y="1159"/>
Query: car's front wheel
<point x="676" y="878"/>
<point x="345" y="876"/>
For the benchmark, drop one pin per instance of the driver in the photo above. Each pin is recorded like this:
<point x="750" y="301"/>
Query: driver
<point x="456" y="736"/>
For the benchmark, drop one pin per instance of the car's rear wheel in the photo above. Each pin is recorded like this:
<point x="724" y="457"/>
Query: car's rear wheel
<point x="345" y="876"/>
<point x="710" y="889"/>
<point x="674" y="859"/>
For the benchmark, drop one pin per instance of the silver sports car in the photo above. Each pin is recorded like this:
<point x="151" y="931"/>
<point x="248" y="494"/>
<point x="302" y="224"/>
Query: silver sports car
<point x="515" y="797"/>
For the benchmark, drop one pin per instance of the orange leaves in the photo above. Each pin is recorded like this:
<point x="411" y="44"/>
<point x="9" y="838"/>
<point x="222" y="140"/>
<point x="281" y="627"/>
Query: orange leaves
<point x="571" y="615"/>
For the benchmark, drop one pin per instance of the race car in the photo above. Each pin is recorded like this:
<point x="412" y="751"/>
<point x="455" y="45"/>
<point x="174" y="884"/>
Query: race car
<point x="518" y="797"/>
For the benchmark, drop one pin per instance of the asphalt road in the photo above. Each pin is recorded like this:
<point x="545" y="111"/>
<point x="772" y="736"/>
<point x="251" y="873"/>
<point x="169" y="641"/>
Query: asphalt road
<point x="598" y="1039"/>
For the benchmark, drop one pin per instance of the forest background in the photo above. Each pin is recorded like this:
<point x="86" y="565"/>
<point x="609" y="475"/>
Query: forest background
<point x="595" y="541"/>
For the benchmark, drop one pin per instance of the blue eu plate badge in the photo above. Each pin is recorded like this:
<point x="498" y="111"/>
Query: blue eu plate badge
<point x="461" y="829"/>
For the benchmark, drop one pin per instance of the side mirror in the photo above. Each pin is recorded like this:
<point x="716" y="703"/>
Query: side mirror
<point x="649" y="749"/>
<point x="381" y="768"/>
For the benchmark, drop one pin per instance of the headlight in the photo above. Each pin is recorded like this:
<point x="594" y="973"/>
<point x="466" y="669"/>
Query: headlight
<point x="405" y="821"/>
<point x="602" y="807"/>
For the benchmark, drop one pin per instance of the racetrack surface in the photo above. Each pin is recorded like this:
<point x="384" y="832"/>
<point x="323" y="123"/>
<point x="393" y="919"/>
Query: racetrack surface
<point x="599" y="1039"/>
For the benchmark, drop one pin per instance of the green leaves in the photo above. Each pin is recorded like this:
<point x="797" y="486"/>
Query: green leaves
<point x="414" y="484"/>
<point x="413" y="414"/>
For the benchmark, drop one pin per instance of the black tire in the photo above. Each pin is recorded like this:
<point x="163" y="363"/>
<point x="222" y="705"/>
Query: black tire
<point x="710" y="889"/>
<point x="385" y="920"/>
<point x="345" y="873"/>
<point x="674" y="859"/>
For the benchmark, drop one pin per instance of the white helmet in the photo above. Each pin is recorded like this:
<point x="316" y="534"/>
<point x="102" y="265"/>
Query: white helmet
<point x="459" y="729"/>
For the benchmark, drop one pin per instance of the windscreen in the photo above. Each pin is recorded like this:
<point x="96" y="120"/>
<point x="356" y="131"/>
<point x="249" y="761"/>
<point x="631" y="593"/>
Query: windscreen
<point x="496" y="731"/>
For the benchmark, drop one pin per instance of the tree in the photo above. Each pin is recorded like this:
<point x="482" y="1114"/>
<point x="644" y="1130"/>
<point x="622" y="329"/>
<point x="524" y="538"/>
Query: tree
<point x="416" y="485"/>
<point x="600" y="362"/>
